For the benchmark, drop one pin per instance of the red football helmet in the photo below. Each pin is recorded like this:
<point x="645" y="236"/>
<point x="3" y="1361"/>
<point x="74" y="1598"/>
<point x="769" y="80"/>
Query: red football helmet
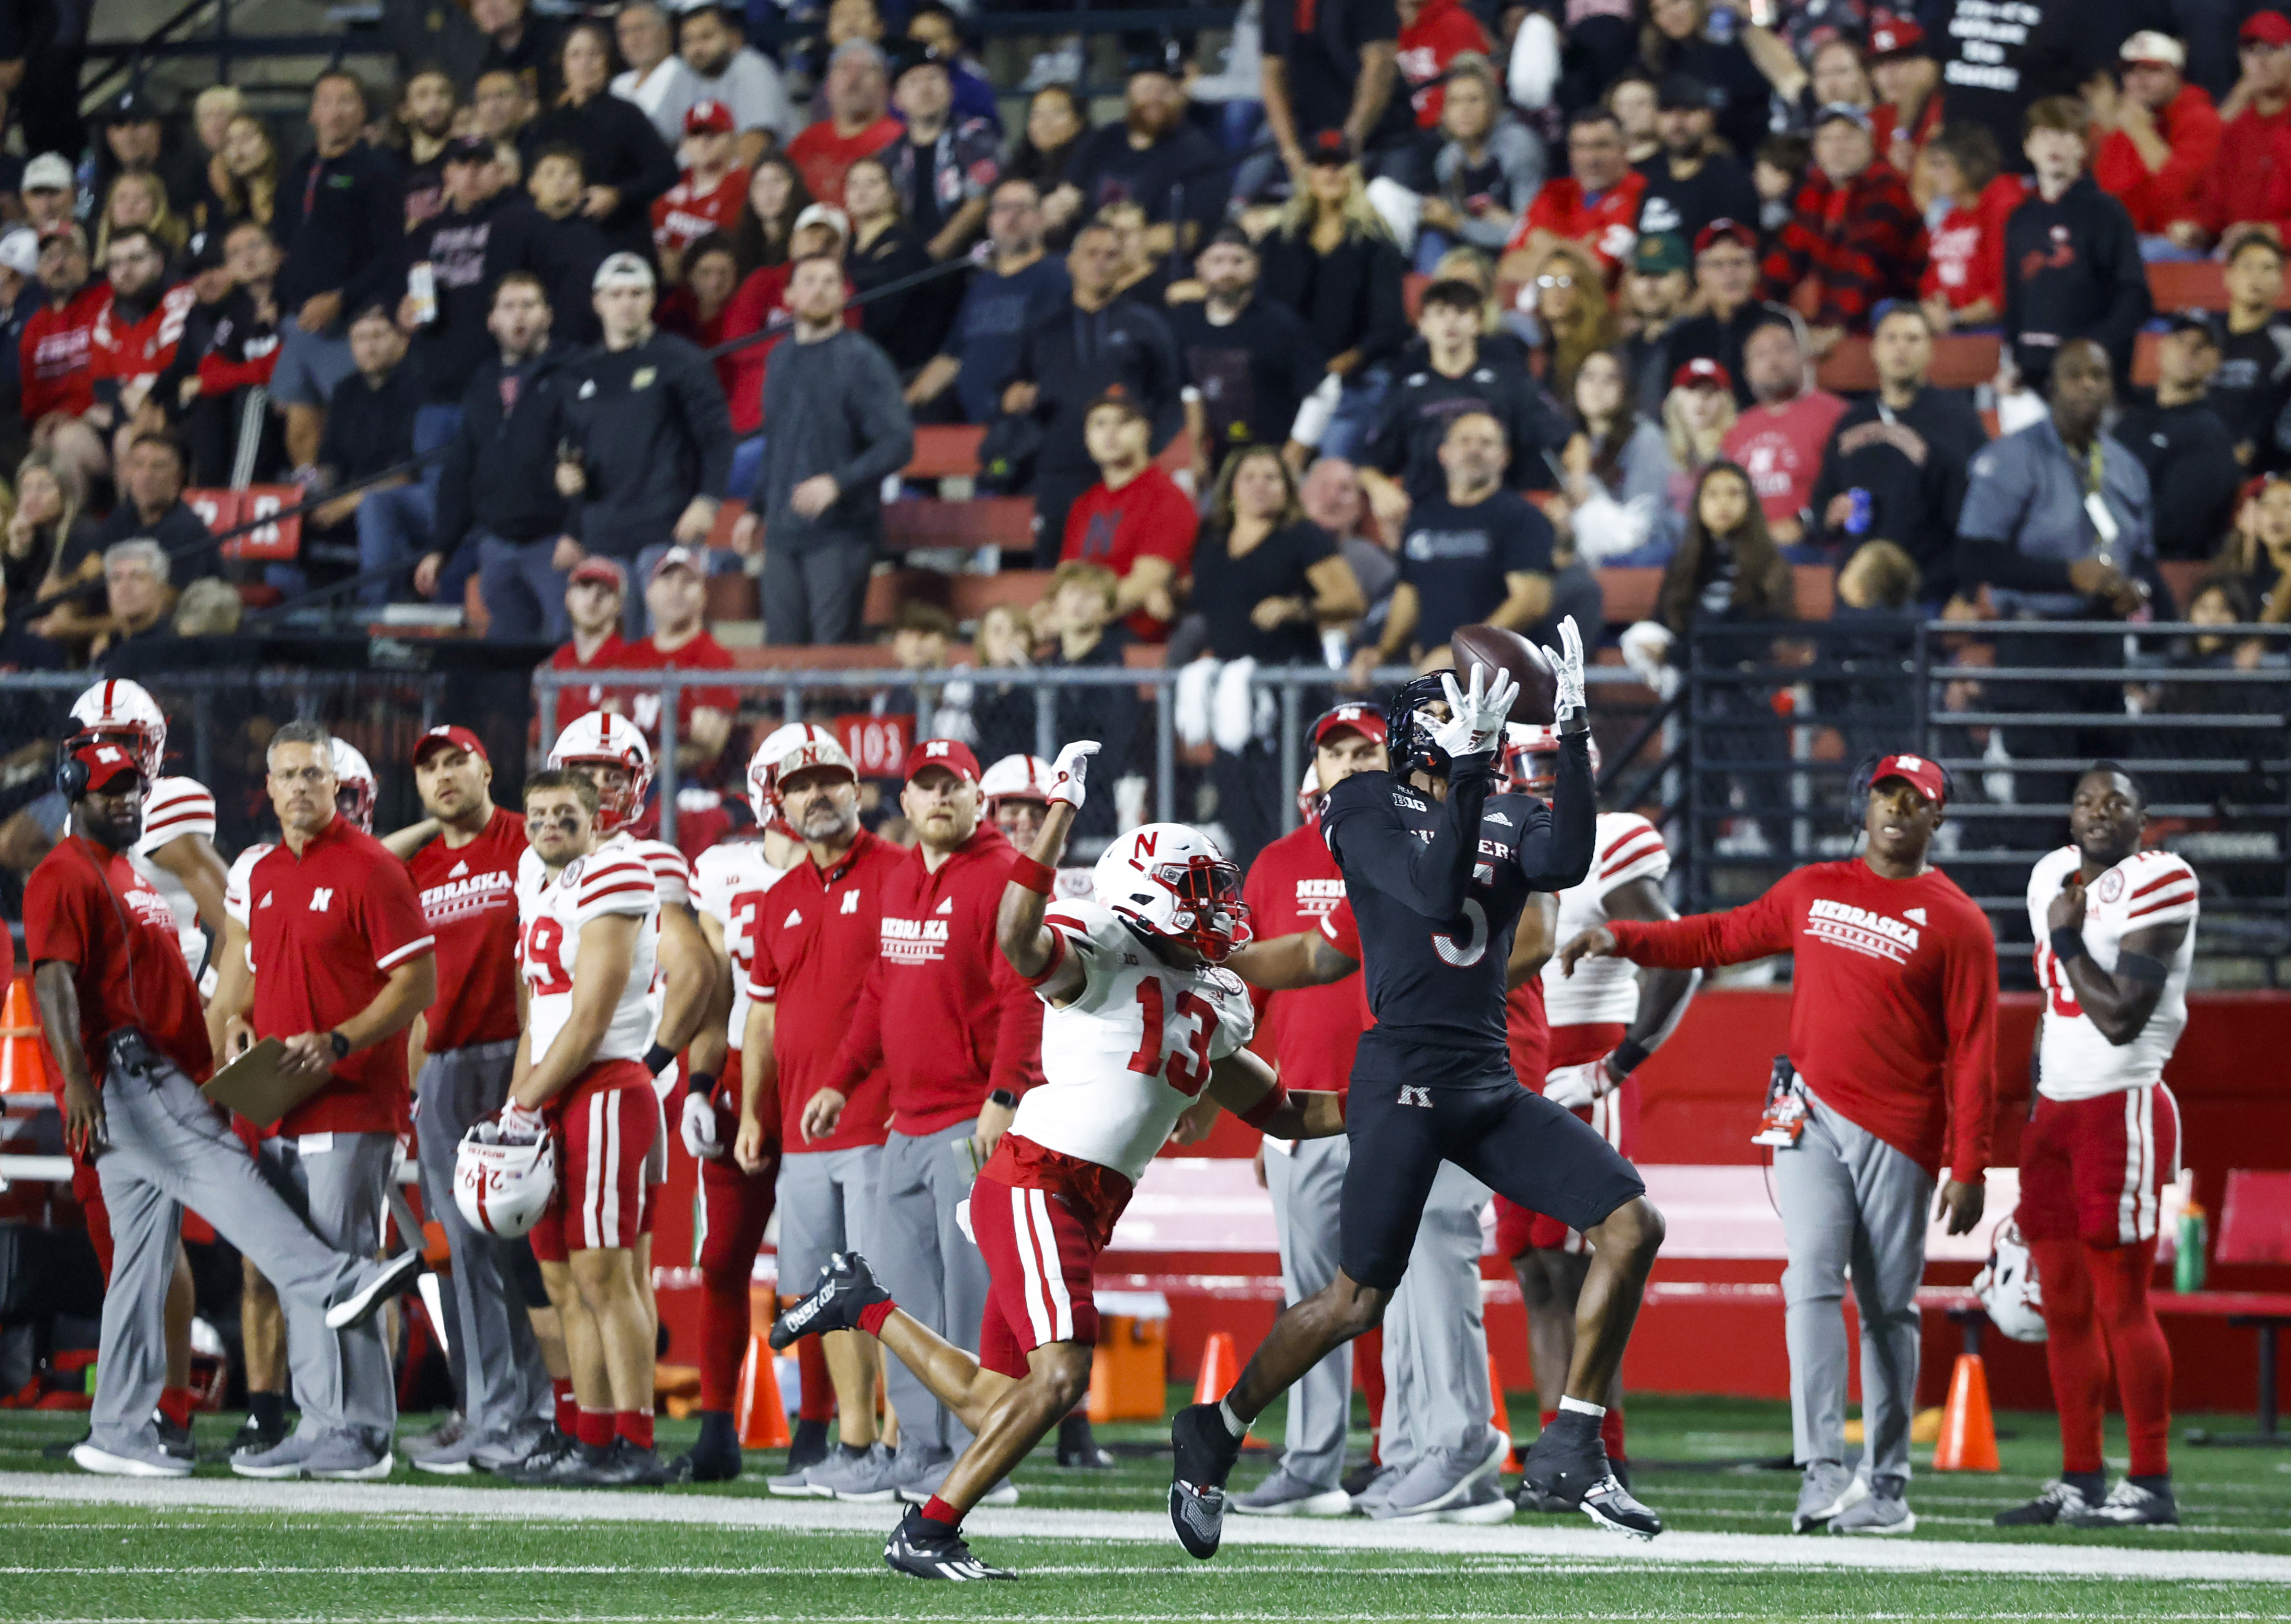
<point x="601" y="738"/>
<point x="1172" y="881"/>
<point x="125" y="713"/>
<point x="1529" y="760"/>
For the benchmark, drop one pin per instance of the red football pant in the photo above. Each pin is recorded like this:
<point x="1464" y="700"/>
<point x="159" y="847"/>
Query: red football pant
<point x="2096" y="1307"/>
<point x="739" y="1206"/>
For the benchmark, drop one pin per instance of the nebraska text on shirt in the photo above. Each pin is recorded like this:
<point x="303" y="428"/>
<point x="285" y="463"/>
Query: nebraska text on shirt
<point x="1876" y="935"/>
<point x="914" y="941"/>
<point x="464" y="896"/>
<point x="1315" y="898"/>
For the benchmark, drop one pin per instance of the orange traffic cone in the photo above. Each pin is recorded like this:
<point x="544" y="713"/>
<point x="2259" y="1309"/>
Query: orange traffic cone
<point x="1221" y="1369"/>
<point x="1968" y="1435"/>
<point x="1503" y="1416"/>
<point x="760" y="1416"/>
<point x="23" y="1068"/>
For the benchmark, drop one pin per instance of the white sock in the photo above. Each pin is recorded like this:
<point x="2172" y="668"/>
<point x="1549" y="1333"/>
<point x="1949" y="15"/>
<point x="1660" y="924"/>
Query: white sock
<point x="1577" y="1406"/>
<point x="1235" y="1425"/>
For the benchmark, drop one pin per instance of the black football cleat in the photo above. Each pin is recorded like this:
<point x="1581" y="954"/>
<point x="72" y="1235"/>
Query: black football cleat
<point x="847" y="1287"/>
<point x="1203" y="1450"/>
<point x="1567" y="1468"/>
<point x="920" y="1551"/>
<point x="699" y="1465"/>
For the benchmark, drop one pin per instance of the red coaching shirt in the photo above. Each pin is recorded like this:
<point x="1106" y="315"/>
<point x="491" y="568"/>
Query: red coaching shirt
<point x="325" y="931"/>
<point x="469" y="900"/>
<point x="814" y="940"/>
<point x="127" y="964"/>
<point x="1894" y="1004"/>
<point x="1312" y="1031"/>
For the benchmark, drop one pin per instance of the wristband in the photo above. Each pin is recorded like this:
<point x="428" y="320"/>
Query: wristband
<point x="2142" y="967"/>
<point x="699" y="1082"/>
<point x="2067" y="944"/>
<point x="340" y="1044"/>
<point x="1034" y="876"/>
<point x="657" y="1058"/>
<point x="1261" y="1113"/>
<point x="1003" y="1097"/>
<point x="1628" y="1057"/>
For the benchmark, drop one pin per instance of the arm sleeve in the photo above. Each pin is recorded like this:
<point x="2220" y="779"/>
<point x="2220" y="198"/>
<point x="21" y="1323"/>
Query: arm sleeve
<point x="652" y="166"/>
<point x="1755" y="930"/>
<point x="1429" y="879"/>
<point x="886" y="432"/>
<point x="55" y="917"/>
<point x="392" y="914"/>
<point x="763" y="966"/>
<point x="1971" y="991"/>
<point x="1555" y="853"/>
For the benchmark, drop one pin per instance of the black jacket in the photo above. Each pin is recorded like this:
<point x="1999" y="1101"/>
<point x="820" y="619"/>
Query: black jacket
<point x="620" y="149"/>
<point x="500" y="471"/>
<point x="1913" y="464"/>
<point x="2072" y="270"/>
<point x="651" y="428"/>
<point x="564" y="254"/>
<point x="2192" y="470"/>
<point x="1072" y="358"/>
<point x="1350" y="299"/>
<point x="191" y="549"/>
<point x="348" y="241"/>
<point x="468" y="255"/>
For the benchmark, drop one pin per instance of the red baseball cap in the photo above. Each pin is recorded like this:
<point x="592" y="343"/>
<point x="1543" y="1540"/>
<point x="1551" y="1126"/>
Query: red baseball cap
<point x="1366" y="720"/>
<point x="951" y="754"/>
<point x="458" y="738"/>
<point x="1702" y="373"/>
<point x="2266" y="28"/>
<point x="1725" y="230"/>
<point x="1920" y="772"/>
<point x="106" y="762"/>
<point x="604" y="571"/>
<point x="1894" y="35"/>
<point x="708" y="117"/>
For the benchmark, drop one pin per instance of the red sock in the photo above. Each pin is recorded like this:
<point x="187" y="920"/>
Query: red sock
<point x="2074" y="1350"/>
<point x="175" y="1405"/>
<point x="872" y="1317"/>
<point x="568" y="1409"/>
<point x="1544" y="1418"/>
<point x="723" y="1339"/>
<point x="1367" y="1368"/>
<point x="594" y="1427"/>
<point x="2137" y="1349"/>
<point x="1611" y="1432"/>
<point x="938" y="1511"/>
<point x="635" y="1426"/>
<point x="818" y="1399"/>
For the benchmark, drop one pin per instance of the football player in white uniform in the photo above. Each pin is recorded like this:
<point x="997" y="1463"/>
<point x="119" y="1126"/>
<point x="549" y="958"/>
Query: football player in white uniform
<point x="588" y="933"/>
<point x="1603" y="1024"/>
<point x="1141" y="1021"/>
<point x="2116" y="933"/>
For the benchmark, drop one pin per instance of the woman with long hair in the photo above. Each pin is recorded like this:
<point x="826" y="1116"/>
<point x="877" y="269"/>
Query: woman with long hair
<point x="52" y="547"/>
<point x="2257" y="554"/>
<point x="1697" y="415"/>
<point x="1058" y="122"/>
<point x="625" y="165"/>
<point x="1487" y="169"/>
<point x="766" y="223"/>
<point x="1618" y="471"/>
<point x="1571" y="314"/>
<point x="695" y="307"/>
<point x="138" y="198"/>
<point x="1964" y="280"/>
<point x="243" y="176"/>
<point x="884" y="250"/>
<point x="1332" y="260"/>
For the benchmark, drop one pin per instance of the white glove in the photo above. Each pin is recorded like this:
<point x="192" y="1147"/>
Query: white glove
<point x="519" y="1126"/>
<point x="700" y="1128"/>
<point x="1573" y="1086"/>
<point x="1567" y="670"/>
<point x="1068" y="772"/>
<point x="1646" y="650"/>
<point x="1475" y="715"/>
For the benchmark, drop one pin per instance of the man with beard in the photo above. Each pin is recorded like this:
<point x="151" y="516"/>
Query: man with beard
<point x="1003" y="297"/>
<point x="858" y="123"/>
<point x="426" y="108"/>
<point x="725" y="69"/>
<point x="1151" y="155"/>
<point x="1694" y="180"/>
<point x="1249" y="362"/>
<point x="135" y="333"/>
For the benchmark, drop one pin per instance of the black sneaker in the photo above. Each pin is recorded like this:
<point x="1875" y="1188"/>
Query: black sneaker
<point x="2128" y="1505"/>
<point x="2054" y="1500"/>
<point x="809" y="1447"/>
<point x="175" y="1439"/>
<point x="1203" y="1450"/>
<point x="622" y="1465"/>
<point x="846" y="1287"/>
<point x="701" y="1464"/>
<point x="1569" y="1465"/>
<point x="1355" y="1481"/>
<point x="253" y="1439"/>
<point x="1078" y="1445"/>
<point x="921" y="1551"/>
<point x="556" y="1452"/>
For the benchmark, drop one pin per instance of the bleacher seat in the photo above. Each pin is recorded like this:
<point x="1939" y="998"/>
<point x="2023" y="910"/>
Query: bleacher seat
<point x="964" y="596"/>
<point x="1961" y="360"/>
<point x="945" y="450"/>
<point x="1007" y="522"/>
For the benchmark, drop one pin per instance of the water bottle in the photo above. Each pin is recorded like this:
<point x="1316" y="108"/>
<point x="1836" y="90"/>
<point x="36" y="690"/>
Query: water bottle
<point x="1722" y="25"/>
<point x="2195" y="1234"/>
<point x="1857" y="517"/>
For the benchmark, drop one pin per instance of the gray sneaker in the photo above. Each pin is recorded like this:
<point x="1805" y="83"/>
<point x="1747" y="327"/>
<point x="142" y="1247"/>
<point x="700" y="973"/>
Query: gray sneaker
<point x="129" y="1458"/>
<point x="1829" y="1490"/>
<point x="1884" y="1511"/>
<point x="1380" y="1490"/>
<point x="513" y="1449"/>
<point x="282" y="1460"/>
<point x="916" y="1491"/>
<point x="1442" y="1480"/>
<point x="445" y="1435"/>
<point x="869" y="1479"/>
<point x="1286" y="1495"/>
<point x="350" y="1456"/>
<point x="1486" y="1503"/>
<point x="449" y="1452"/>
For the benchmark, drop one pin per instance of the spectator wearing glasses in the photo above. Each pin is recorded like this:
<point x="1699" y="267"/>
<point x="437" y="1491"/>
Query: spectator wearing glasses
<point x="1571" y="314"/>
<point x="1595" y="204"/>
<point x="1854" y="239"/>
<point x="2160" y="137"/>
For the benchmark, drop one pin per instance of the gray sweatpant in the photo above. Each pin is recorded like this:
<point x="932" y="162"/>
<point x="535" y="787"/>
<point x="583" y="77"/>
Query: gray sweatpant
<point x="934" y="1271"/>
<point x="1850" y="1200"/>
<point x="1436" y="1333"/>
<point x="824" y="1201"/>
<point x="504" y="1381"/>
<point x="340" y="1180"/>
<point x="171" y="1149"/>
<point x="1307" y="1186"/>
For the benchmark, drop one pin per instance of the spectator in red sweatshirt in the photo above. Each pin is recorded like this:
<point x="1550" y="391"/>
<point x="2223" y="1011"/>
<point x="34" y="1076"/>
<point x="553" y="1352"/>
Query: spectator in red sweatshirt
<point x="2158" y="135"/>
<point x="961" y="1036"/>
<point x="1134" y="520"/>
<point x="1854" y="234"/>
<point x="2250" y="175"/>
<point x="58" y="343"/>
<point x="1595" y="203"/>
<point x="1433" y="34"/>
<point x="1893" y="1038"/>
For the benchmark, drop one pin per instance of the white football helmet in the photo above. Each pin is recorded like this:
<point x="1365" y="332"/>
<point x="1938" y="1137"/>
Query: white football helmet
<point x="601" y="737"/>
<point x="1308" y="794"/>
<point x="126" y="711"/>
<point x="1171" y="881"/>
<point x="1529" y="758"/>
<point x="790" y="749"/>
<point x="1023" y="777"/>
<point x="2009" y="1291"/>
<point x="356" y="788"/>
<point x="502" y="1188"/>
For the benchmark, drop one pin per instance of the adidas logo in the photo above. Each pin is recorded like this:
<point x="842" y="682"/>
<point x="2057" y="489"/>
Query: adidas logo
<point x="794" y="918"/>
<point x="946" y="907"/>
<point x="1918" y="914"/>
<point x="1497" y="817"/>
<point x="457" y="871"/>
<point x="265" y="902"/>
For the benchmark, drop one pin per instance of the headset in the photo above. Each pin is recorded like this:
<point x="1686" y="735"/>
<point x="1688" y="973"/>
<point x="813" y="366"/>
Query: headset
<point x="1857" y="787"/>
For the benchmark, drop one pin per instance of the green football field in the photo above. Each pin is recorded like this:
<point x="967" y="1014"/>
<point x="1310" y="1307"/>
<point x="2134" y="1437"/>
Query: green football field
<point x="1096" y="1546"/>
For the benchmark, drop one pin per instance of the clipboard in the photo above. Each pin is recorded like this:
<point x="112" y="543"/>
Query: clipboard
<point x="254" y="1086"/>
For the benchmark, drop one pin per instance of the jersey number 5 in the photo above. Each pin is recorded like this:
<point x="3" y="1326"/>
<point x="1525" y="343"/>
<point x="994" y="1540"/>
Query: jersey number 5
<point x="1188" y="1070"/>
<point x="1474" y="948"/>
<point x="543" y="967"/>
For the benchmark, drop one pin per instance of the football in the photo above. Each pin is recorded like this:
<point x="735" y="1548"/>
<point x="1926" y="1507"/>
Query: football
<point x="1494" y="647"/>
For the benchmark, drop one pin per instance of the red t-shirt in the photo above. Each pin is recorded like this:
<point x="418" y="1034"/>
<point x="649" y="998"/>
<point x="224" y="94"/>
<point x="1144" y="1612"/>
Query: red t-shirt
<point x="2189" y="127"/>
<point x="1965" y="253"/>
<point x="752" y="306"/>
<point x="961" y="1023"/>
<point x="1310" y="1032"/>
<point x="687" y="212"/>
<point x="814" y="942"/>
<point x="325" y="931"/>
<point x="1443" y="30"/>
<point x="58" y="354"/>
<point x="576" y="703"/>
<point x="2250" y="174"/>
<point x="1608" y="226"/>
<point x="127" y="961"/>
<point x="1147" y="518"/>
<point x="1893" y="1002"/>
<point x="1781" y="449"/>
<point x="469" y="898"/>
<point x="821" y="155"/>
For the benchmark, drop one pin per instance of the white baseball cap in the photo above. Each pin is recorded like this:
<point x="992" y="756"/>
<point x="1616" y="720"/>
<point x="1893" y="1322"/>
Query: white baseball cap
<point x="2148" y="46"/>
<point x="822" y="214"/>
<point x="50" y="172"/>
<point x="621" y="270"/>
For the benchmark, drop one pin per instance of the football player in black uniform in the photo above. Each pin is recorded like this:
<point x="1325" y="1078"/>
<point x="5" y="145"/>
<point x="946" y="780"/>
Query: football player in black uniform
<point x="1436" y="871"/>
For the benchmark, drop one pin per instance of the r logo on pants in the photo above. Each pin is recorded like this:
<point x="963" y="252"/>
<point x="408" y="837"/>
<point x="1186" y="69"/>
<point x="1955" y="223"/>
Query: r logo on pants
<point x="1410" y="1096"/>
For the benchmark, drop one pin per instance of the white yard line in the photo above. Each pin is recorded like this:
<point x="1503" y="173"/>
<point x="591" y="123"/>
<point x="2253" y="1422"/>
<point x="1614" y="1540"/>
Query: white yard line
<point x="2065" y="1558"/>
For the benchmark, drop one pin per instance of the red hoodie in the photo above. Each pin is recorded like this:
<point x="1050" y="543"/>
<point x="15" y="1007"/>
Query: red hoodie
<point x="1310" y="1032"/>
<point x="961" y="1023"/>
<point x="2190" y="128"/>
<point x="2250" y="174"/>
<point x="124" y="353"/>
<point x="1443" y="29"/>
<point x="58" y="351"/>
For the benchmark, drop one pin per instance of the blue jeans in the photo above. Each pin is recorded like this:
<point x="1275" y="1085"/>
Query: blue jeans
<point x="1355" y="416"/>
<point x="747" y="461"/>
<point x="524" y="594"/>
<point x="393" y="531"/>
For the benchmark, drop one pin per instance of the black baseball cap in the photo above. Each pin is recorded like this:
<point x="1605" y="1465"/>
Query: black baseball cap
<point x="1683" y="90"/>
<point x="1328" y="146"/>
<point x="469" y="149"/>
<point x="2195" y="321"/>
<point x="131" y="107"/>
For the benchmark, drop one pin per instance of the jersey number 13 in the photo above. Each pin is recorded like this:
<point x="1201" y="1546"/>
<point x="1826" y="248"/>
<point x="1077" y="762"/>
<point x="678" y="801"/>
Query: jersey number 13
<point x="1188" y="1064"/>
